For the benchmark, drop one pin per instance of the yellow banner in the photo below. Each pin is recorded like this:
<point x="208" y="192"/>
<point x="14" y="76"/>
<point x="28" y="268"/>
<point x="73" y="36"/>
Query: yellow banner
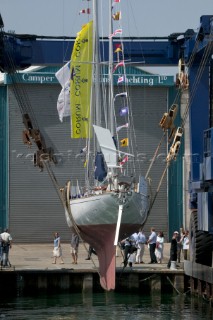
<point x="80" y="83"/>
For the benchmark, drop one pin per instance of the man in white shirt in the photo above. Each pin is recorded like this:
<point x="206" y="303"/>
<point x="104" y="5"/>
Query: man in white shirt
<point x="152" y="245"/>
<point x="6" y="244"/>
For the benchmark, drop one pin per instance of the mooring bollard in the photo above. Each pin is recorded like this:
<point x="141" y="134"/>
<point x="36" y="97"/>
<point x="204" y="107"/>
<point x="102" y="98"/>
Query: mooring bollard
<point x="173" y="265"/>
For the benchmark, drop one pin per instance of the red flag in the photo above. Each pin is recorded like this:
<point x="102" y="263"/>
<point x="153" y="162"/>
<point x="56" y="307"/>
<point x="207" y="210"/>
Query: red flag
<point x="85" y="11"/>
<point x="119" y="64"/>
<point x="118" y="47"/>
<point x="125" y="159"/>
<point x="118" y="31"/>
<point x="121" y="79"/>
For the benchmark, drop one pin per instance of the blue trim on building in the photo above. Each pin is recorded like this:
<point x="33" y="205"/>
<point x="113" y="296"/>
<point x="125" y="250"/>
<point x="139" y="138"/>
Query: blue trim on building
<point x="175" y="181"/>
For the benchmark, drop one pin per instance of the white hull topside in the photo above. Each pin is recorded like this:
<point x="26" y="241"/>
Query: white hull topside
<point x="103" y="209"/>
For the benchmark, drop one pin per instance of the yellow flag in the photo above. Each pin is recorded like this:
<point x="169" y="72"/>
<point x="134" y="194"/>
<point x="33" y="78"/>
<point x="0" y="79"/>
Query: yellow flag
<point x="118" y="50"/>
<point x="116" y="16"/>
<point x="80" y="82"/>
<point x="124" y="142"/>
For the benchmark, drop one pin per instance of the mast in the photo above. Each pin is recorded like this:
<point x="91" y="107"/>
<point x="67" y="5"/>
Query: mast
<point x="96" y="66"/>
<point x="110" y="66"/>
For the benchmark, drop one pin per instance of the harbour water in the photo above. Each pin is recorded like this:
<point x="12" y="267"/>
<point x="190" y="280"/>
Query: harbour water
<point x="107" y="306"/>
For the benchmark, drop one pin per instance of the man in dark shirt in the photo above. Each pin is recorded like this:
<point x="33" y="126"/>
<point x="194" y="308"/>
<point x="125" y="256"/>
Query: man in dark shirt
<point x="173" y="249"/>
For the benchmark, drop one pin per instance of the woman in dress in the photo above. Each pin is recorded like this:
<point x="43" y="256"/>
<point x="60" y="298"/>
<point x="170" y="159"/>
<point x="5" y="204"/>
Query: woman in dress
<point x="159" y="247"/>
<point x="185" y="241"/>
<point x="57" y="251"/>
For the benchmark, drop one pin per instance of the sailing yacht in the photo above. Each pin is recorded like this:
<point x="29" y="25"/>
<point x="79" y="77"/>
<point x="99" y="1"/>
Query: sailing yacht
<point x="115" y="203"/>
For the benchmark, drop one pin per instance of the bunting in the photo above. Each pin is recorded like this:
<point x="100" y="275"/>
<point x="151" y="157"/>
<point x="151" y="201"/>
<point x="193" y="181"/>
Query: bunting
<point x="118" y="31"/>
<point x="118" y="48"/>
<point x="116" y="16"/>
<point x="114" y="2"/>
<point x="121" y="79"/>
<point x="119" y="64"/>
<point x="123" y="111"/>
<point x="124" y="142"/>
<point x="121" y="127"/>
<point x="122" y="94"/>
<point x="85" y="11"/>
<point x="83" y="150"/>
<point x="125" y="159"/>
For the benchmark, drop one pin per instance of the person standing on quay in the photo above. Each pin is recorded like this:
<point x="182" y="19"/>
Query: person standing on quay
<point x="173" y="250"/>
<point x="179" y="245"/>
<point x="159" y="247"/>
<point x="74" y="247"/>
<point x="140" y="245"/>
<point x="57" y="250"/>
<point x="185" y="241"/>
<point x="90" y="252"/>
<point x="6" y="245"/>
<point x="152" y="245"/>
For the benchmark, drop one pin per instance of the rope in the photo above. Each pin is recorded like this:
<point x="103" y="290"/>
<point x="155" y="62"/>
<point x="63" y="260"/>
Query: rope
<point x="155" y="155"/>
<point x="66" y="207"/>
<point x="178" y="292"/>
<point x="148" y="278"/>
<point x="202" y="65"/>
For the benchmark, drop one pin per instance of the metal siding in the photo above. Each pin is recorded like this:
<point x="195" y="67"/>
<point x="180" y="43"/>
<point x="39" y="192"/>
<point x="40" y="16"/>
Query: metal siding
<point x="175" y="177"/>
<point x="35" y="209"/>
<point x="3" y="157"/>
<point x="149" y="106"/>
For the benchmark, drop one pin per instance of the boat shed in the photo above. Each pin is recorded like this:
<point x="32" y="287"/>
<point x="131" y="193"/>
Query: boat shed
<point x="29" y="204"/>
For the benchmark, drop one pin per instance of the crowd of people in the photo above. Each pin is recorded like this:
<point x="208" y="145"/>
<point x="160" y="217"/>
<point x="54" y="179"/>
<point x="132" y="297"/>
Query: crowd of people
<point x="57" y="249"/>
<point x="133" y="247"/>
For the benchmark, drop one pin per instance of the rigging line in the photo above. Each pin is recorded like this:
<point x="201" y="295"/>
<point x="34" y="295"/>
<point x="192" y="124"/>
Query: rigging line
<point x="131" y="127"/>
<point x="18" y="89"/>
<point x="130" y="118"/>
<point x="158" y="188"/>
<point x="176" y="99"/>
<point x="161" y="140"/>
<point x="155" y="155"/>
<point x="198" y="77"/>
<point x="202" y="64"/>
<point x="57" y="188"/>
<point x="23" y="96"/>
<point x="129" y="3"/>
<point x="68" y="43"/>
<point x="12" y="76"/>
<point x="200" y="70"/>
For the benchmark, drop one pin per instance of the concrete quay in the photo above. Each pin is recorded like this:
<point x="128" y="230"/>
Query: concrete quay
<point x="39" y="257"/>
<point x="32" y="271"/>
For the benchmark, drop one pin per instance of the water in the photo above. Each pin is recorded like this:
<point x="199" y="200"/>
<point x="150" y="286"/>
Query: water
<point x="107" y="306"/>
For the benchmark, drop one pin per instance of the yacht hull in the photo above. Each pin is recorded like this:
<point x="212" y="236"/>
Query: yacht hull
<point x="96" y="217"/>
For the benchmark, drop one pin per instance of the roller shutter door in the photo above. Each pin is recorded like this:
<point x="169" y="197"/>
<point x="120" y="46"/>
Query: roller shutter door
<point x="35" y="211"/>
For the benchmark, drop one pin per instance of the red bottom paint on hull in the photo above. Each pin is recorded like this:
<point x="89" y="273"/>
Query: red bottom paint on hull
<point x="101" y="238"/>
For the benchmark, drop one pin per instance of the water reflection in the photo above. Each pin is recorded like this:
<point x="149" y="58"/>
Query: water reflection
<point x="107" y="306"/>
